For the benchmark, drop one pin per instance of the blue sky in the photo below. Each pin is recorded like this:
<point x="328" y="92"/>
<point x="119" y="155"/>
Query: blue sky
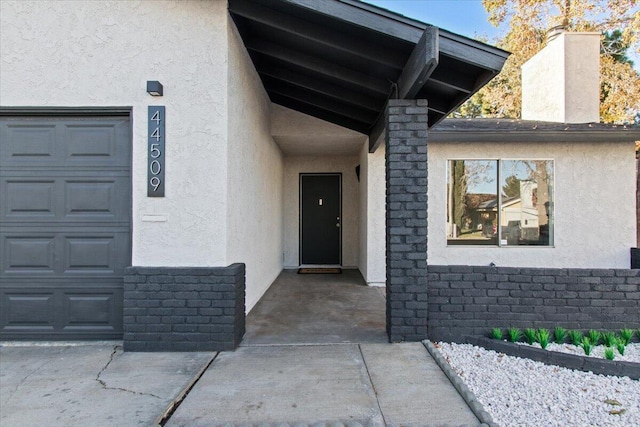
<point x="464" y="17"/>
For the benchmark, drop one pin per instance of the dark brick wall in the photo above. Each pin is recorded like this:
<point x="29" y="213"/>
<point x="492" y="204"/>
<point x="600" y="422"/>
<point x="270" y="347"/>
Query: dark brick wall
<point x="466" y="300"/>
<point x="184" y="309"/>
<point x="406" y="219"/>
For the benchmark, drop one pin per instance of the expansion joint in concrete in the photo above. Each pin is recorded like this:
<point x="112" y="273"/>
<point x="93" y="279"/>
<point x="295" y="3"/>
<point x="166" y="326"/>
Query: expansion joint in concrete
<point x="373" y="387"/>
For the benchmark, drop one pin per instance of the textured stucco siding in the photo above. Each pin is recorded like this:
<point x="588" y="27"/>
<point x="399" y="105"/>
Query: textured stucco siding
<point x="255" y="170"/>
<point x="100" y="54"/>
<point x="293" y="167"/>
<point x="372" y="260"/>
<point x="594" y="206"/>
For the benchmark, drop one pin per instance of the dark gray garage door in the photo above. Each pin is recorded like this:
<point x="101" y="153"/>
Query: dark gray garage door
<point x="65" y="202"/>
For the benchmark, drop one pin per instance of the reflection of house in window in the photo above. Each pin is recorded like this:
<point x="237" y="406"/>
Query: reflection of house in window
<point x="523" y="216"/>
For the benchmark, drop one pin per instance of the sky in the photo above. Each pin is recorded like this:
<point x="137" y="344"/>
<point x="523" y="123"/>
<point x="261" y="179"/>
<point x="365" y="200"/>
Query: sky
<point x="464" y="17"/>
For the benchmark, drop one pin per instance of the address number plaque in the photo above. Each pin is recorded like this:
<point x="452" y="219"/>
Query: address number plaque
<point x="155" y="152"/>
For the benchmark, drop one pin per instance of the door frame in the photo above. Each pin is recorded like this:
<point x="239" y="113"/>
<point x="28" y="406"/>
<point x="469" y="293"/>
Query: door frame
<point x="339" y="175"/>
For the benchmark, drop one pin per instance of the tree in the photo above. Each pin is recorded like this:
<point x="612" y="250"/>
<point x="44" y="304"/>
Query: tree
<point x="511" y="187"/>
<point x="527" y="24"/>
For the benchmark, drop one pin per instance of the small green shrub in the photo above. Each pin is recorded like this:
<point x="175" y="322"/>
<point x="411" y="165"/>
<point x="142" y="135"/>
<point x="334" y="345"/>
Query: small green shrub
<point x="496" y="333"/>
<point x="514" y="334"/>
<point x="626" y="335"/>
<point x="542" y="337"/>
<point x="576" y="338"/>
<point x="609" y="354"/>
<point x="586" y="346"/>
<point x="530" y="335"/>
<point x="608" y="338"/>
<point x="560" y="334"/>
<point x="594" y="336"/>
<point x="621" y="347"/>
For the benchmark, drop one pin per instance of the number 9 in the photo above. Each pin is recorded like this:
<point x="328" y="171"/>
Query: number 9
<point x="155" y="182"/>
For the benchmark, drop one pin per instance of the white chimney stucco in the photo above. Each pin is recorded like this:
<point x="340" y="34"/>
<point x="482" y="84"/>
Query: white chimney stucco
<point x="561" y="83"/>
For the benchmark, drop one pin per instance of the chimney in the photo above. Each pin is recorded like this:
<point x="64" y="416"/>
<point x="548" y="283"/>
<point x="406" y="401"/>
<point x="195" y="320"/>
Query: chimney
<point x="561" y="83"/>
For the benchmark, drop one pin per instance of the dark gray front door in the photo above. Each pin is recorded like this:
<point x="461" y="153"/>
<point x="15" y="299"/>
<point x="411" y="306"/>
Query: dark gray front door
<point x="65" y="203"/>
<point x="320" y="229"/>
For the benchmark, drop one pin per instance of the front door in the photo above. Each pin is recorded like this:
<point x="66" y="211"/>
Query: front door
<point x="320" y="219"/>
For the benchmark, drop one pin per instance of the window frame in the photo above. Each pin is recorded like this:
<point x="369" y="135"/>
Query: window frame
<point x="499" y="160"/>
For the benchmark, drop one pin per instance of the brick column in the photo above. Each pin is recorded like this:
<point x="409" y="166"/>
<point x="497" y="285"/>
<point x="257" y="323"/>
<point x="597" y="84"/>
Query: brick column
<point x="406" y="219"/>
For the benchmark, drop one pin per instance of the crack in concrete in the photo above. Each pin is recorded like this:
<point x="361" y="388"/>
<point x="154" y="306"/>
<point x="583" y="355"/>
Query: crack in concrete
<point x="106" y="387"/>
<point x="22" y="381"/>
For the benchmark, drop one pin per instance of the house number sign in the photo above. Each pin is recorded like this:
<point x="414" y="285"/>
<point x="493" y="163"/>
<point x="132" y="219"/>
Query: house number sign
<point x="155" y="152"/>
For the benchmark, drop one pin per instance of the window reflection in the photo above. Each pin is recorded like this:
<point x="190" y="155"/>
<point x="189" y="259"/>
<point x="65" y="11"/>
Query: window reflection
<point x="525" y="210"/>
<point x="472" y="202"/>
<point x="515" y="203"/>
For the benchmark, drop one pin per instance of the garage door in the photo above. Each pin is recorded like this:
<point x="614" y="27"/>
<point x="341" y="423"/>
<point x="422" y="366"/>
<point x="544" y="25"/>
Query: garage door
<point x="65" y="202"/>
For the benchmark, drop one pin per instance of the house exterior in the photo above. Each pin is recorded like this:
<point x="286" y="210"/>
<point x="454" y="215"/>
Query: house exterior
<point x="162" y="162"/>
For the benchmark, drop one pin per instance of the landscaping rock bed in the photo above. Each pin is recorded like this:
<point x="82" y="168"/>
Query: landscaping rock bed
<point x="566" y="360"/>
<point x="521" y="392"/>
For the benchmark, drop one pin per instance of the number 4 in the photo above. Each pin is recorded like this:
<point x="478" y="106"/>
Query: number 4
<point x="156" y="117"/>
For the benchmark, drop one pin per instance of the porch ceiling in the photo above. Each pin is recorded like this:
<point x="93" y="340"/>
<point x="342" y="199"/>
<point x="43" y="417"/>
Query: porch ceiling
<point x="341" y="60"/>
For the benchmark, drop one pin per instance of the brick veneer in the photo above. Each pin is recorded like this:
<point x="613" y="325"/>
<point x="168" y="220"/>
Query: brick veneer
<point x="465" y="300"/>
<point x="184" y="309"/>
<point x="406" y="219"/>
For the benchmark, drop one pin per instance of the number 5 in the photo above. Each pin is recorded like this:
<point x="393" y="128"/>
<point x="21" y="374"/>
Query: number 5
<point x="155" y="152"/>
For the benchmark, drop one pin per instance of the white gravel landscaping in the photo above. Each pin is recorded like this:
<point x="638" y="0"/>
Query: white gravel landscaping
<point x="521" y="392"/>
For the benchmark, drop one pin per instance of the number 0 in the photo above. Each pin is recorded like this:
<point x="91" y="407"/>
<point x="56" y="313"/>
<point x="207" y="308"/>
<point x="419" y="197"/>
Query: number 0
<point x="155" y="167"/>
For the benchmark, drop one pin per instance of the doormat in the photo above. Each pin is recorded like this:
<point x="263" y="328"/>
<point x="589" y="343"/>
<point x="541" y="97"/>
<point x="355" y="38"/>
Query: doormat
<point x="320" y="271"/>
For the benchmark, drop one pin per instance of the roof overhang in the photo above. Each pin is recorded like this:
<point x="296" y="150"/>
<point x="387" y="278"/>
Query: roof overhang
<point x="341" y="60"/>
<point x="512" y="130"/>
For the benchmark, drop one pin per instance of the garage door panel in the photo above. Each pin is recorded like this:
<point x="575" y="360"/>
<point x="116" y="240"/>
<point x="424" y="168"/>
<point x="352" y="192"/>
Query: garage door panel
<point x="80" y="251"/>
<point x="61" y="199"/>
<point x="34" y="142"/>
<point x="28" y="311"/>
<point x="29" y="254"/>
<point x="33" y="198"/>
<point x="72" y="142"/>
<point x="97" y="311"/>
<point x="36" y="310"/>
<point x="65" y="211"/>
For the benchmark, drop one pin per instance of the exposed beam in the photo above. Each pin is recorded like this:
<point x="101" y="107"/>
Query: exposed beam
<point x="321" y="86"/>
<point x="376" y="134"/>
<point x="317" y="33"/>
<point x="421" y="63"/>
<point x="328" y="104"/>
<point x="302" y="60"/>
<point x="381" y="21"/>
<point x="315" y="111"/>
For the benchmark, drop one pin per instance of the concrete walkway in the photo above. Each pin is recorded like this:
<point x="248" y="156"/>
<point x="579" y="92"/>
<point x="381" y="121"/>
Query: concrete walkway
<point x="369" y="384"/>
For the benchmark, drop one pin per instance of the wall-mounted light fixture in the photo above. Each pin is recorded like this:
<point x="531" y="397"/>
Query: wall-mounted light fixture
<point x="154" y="88"/>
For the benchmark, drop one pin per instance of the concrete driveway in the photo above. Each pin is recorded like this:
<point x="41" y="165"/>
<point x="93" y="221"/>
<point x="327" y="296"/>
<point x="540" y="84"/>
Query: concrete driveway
<point x="90" y="384"/>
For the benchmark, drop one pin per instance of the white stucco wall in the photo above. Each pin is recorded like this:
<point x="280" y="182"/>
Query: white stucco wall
<point x="254" y="176"/>
<point x="372" y="261"/>
<point x="561" y="82"/>
<point x="293" y="167"/>
<point x="594" y="206"/>
<point x="97" y="53"/>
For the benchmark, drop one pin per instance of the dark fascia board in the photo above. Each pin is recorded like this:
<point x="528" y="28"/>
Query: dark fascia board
<point x="517" y="131"/>
<point x="395" y="25"/>
<point x="64" y="111"/>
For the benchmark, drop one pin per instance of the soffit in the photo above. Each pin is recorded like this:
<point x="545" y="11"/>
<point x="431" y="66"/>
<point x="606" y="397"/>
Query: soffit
<point x="340" y="60"/>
